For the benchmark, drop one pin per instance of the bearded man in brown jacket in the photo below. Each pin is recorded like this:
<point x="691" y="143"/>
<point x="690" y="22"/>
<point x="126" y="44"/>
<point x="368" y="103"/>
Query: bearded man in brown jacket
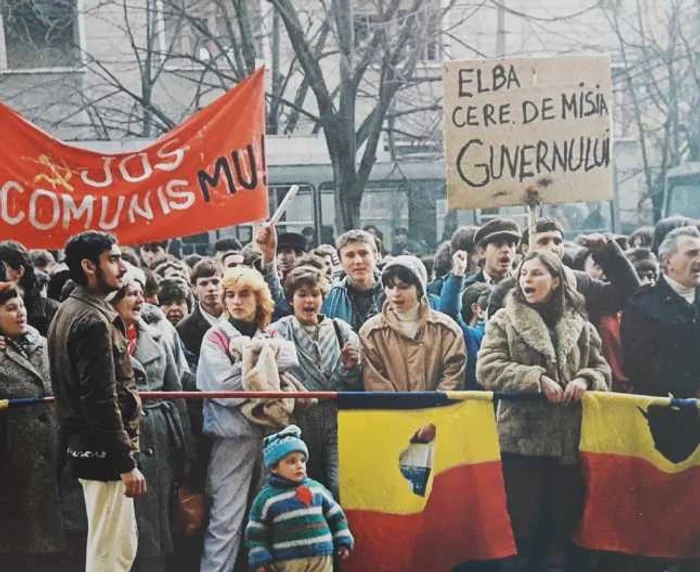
<point x="97" y="402"/>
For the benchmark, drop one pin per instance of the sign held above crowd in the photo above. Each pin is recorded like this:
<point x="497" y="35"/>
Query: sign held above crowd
<point x="209" y="172"/>
<point x="510" y="124"/>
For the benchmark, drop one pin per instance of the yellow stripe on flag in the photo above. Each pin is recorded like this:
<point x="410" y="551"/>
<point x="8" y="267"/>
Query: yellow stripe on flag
<point x="616" y="424"/>
<point x="371" y="442"/>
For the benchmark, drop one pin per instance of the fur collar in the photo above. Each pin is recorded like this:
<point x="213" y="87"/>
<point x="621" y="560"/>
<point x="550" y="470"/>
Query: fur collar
<point x="534" y="332"/>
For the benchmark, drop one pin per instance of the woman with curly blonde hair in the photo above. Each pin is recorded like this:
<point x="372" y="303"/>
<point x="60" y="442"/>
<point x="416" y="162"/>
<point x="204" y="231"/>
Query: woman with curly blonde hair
<point x="236" y="442"/>
<point x="243" y="279"/>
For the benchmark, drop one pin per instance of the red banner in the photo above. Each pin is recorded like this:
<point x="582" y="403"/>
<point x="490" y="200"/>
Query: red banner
<point x="207" y="173"/>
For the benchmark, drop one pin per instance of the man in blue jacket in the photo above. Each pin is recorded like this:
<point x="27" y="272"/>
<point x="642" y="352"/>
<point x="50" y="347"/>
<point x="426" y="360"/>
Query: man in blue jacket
<point x="359" y="295"/>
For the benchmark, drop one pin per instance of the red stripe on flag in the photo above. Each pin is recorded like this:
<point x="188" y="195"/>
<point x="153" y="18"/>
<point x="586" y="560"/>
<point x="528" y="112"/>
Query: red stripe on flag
<point x="464" y="519"/>
<point x="634" y="508"/>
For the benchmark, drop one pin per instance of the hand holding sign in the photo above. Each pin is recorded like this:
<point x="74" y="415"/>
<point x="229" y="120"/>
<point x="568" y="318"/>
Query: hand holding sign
<point x="350" y="355"/>
<point x="266" y="241"/>
<point x="266" y="234"/>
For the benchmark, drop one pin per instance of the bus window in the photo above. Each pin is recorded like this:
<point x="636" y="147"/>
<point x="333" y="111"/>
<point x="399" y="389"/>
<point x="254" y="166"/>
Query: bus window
<point x="580" y="218"/>
<point x="395" y="204"/>
<point x="327" y="203"/>
<point x="383" y="205"/>
<point x="196" y="243"/>
<point x="684" y="199"/>
<point x="300" y="211"/>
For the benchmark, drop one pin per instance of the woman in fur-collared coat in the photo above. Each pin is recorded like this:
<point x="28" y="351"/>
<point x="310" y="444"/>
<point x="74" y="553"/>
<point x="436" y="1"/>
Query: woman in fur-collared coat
<point x="165" y="437"/>
<point x="31" y="535"/>
<point x="541" y="342"/>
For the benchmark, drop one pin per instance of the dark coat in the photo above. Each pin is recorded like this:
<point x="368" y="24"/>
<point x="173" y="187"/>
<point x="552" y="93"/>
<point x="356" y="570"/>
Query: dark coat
<point x="602" y="298"/>
<point x="608" y="298"/>
<point x="476" y="278"/>
<point x="165" y="441"/>
<point x="661" y="342"/>
<point x="96" y="399"/>
<point x="192" y="330"/>
<point x="30" y="520"/>
<point x="40" y="312"/>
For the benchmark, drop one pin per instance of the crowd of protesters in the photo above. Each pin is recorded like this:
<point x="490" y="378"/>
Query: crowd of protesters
<point x="93" y="482"/>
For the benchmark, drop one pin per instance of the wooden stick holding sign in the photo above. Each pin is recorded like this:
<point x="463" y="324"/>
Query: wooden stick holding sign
<point x="291" y="193"/>
<point x="532" y="200"/>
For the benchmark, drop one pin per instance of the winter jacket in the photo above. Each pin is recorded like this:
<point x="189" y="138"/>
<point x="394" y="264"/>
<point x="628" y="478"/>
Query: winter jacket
<point x="30" y="516"/>
<point x="40" y="312"/>
<point x="166" y="443"/>
<point x="192" y="330"/>
<point x="339" y="304"/>
<point x="320" y="367"/>
<point x="473" y="337"/>
<point x="477" y="278"/>
<point x="435" y="287"/>
<point x="451" y="304"/>
<point x="660" y="341"/>
<point x="154" y="317"/>
<point x="434" y="359"/>
<point x="93" y="381"/>
<point x="291" y="521"/>
<point x="218" y="370"/>
<point x="516" y="351"/>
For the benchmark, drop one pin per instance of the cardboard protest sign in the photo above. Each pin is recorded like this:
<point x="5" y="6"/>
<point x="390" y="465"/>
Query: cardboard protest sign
<point x="208" y="173"/>
<point x="512" y="123"/>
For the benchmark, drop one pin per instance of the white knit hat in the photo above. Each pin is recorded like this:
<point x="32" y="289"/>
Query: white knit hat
<point x="414" y="265"/>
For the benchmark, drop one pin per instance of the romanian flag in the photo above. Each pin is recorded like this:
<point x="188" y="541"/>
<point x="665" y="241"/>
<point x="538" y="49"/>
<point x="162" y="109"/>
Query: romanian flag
<point x="421" y="481"/>
<point x="641" y="460"/>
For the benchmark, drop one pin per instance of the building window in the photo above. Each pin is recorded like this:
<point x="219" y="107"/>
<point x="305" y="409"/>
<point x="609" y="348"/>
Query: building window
<point x="197" y="32"/>
<point x="425" y="35"/>
<point x="39" y="34"/>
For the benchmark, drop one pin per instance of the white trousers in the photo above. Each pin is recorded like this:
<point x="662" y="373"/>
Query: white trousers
<point x="112" y="537"/>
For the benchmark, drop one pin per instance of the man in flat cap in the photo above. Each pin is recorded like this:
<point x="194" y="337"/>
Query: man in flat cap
<point x="495" y="244"/>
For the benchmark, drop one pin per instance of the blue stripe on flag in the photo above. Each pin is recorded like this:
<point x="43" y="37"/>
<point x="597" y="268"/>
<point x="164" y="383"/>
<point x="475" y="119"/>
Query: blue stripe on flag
<point x="393" y="400"/>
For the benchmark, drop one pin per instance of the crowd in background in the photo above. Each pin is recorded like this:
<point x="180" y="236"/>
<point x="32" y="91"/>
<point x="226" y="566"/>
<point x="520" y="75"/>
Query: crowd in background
<point x="497" y="308"/>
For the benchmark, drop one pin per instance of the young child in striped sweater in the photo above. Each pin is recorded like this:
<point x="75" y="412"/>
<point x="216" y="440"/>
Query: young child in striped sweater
<point x="295" y="525"/>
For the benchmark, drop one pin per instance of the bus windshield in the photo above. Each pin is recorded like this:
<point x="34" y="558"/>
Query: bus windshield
<point x="684" y="198"/>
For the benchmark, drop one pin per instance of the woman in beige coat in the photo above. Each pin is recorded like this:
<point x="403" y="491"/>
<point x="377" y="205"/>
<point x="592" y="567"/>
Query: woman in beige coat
<point x="542" y="343"/>
<point x="409" y="346"/>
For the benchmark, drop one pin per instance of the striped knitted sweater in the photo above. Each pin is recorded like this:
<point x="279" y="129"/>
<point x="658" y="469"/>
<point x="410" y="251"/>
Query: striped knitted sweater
<point x="294" y="520"/>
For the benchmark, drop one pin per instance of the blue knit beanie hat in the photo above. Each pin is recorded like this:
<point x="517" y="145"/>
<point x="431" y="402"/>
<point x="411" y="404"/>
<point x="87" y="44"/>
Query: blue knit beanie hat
<point x="278" y="445"/>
